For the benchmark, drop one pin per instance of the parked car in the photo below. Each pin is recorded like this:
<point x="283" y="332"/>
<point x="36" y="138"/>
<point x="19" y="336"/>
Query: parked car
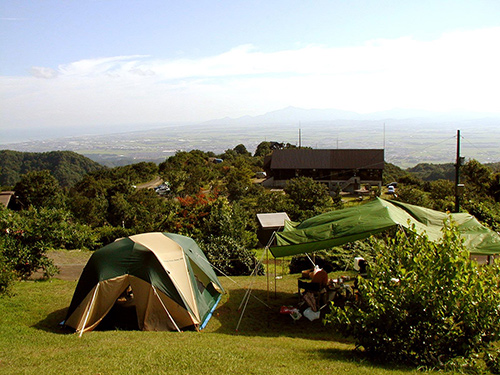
<point x="163" y="189"/>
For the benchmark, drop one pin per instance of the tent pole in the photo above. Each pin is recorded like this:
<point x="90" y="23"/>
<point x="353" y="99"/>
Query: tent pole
<point x="88" y="311"/>
<point x="165" y="308"/>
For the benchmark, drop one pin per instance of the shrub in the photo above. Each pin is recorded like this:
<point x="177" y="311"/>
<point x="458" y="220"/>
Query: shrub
<point x="229" y="220"/>
<point x="28" y="234"/>
<point x="487" y="213"/>
<point x="424" y="303"/>
<point x="54" y="228"/>
<point x="228" y="257"/>
<point x="108" y="234"/>
<point x="23" y="259"/>
<point x="310" y="198"/>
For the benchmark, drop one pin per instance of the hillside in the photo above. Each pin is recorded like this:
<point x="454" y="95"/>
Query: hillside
<point x="66" y="166"/>
<point x="495" y="167"/>
<point x="433" y="172"/>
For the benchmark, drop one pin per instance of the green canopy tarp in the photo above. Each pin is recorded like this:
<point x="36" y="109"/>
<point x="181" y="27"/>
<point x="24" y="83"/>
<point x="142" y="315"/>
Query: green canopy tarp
<point x="338" y="227"/>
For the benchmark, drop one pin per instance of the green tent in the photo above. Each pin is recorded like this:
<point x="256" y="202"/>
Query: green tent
<point x="338" y="227"/>
<point x="158" y="281"/>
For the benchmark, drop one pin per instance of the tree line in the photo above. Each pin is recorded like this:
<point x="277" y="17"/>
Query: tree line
<point x="211" y="198"/>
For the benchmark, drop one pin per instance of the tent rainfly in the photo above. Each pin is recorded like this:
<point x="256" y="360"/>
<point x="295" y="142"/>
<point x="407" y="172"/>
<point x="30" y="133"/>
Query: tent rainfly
<point x="163" y="278"/>
<point x="338" y="227"/>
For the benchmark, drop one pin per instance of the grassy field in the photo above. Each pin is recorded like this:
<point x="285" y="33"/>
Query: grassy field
<point x="266" y="343"/>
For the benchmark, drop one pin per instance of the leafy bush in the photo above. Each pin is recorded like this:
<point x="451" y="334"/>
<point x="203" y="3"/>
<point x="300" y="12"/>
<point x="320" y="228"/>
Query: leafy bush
<point x="229" y="257"/>
<point x="24" y="259"/>
<point x="55" y="228"/>
<point x="109" y="234"/>
<point x="229" y="220"/>
<point x="310" y="198"/>
<point x="26" y="236"/>
<point x="414" y="195"/>
<point x="486" y="213"/>
<point x="424" y="303"/>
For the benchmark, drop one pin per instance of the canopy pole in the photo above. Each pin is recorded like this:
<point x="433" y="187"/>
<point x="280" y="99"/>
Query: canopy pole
<point x="271" y="239"/>
<point x="275" y="276"/>
<point x="267" y="271"/>
<point x="308" y="257"/>
<point x="88" y="311"/>
<point x="457" y="175"/>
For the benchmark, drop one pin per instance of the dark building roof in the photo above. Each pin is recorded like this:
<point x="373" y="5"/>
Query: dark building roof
<point x="295" y="158"/>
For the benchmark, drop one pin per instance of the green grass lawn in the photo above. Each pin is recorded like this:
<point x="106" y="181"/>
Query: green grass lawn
<point x="266" y="343"/>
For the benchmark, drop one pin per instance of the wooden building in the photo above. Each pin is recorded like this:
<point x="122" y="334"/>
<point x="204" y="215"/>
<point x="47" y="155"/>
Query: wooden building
<point x="345" y="169"/>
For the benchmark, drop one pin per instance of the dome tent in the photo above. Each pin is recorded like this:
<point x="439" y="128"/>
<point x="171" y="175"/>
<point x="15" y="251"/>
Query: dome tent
<point x="163" y="278"/>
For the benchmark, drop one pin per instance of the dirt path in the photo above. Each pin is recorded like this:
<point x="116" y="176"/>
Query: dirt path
<point x="151" y="184"/>
<point x="69" y="262"/>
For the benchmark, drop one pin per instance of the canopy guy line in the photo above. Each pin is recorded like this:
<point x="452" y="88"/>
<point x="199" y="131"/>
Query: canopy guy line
<point x="246" y="298"/>
<point x="232" y="280"/>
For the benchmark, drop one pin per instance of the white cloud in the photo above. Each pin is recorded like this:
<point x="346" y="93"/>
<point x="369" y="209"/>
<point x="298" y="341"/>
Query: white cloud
<point x="457" y="71"/>
<point x="41" y="72"/>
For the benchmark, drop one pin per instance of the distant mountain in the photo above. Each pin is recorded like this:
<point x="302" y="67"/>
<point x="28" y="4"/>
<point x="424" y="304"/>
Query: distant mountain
<point x="66" y="166"/>
<point x="294" y="115"/>
<point x="409" y="137"/>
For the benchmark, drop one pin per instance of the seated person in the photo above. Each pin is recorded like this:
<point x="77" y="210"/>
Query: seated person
<point x="319" y="280"/>
<point x="319" y="276"/>
<point x="314" y="290"/>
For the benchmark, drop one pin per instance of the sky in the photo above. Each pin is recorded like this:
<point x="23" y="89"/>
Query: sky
<point x="102" y="63"/>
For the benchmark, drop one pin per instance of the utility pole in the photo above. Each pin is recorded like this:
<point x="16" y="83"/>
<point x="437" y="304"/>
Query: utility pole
<point x="384" y="135"/>
<point x="458" y="186"/>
